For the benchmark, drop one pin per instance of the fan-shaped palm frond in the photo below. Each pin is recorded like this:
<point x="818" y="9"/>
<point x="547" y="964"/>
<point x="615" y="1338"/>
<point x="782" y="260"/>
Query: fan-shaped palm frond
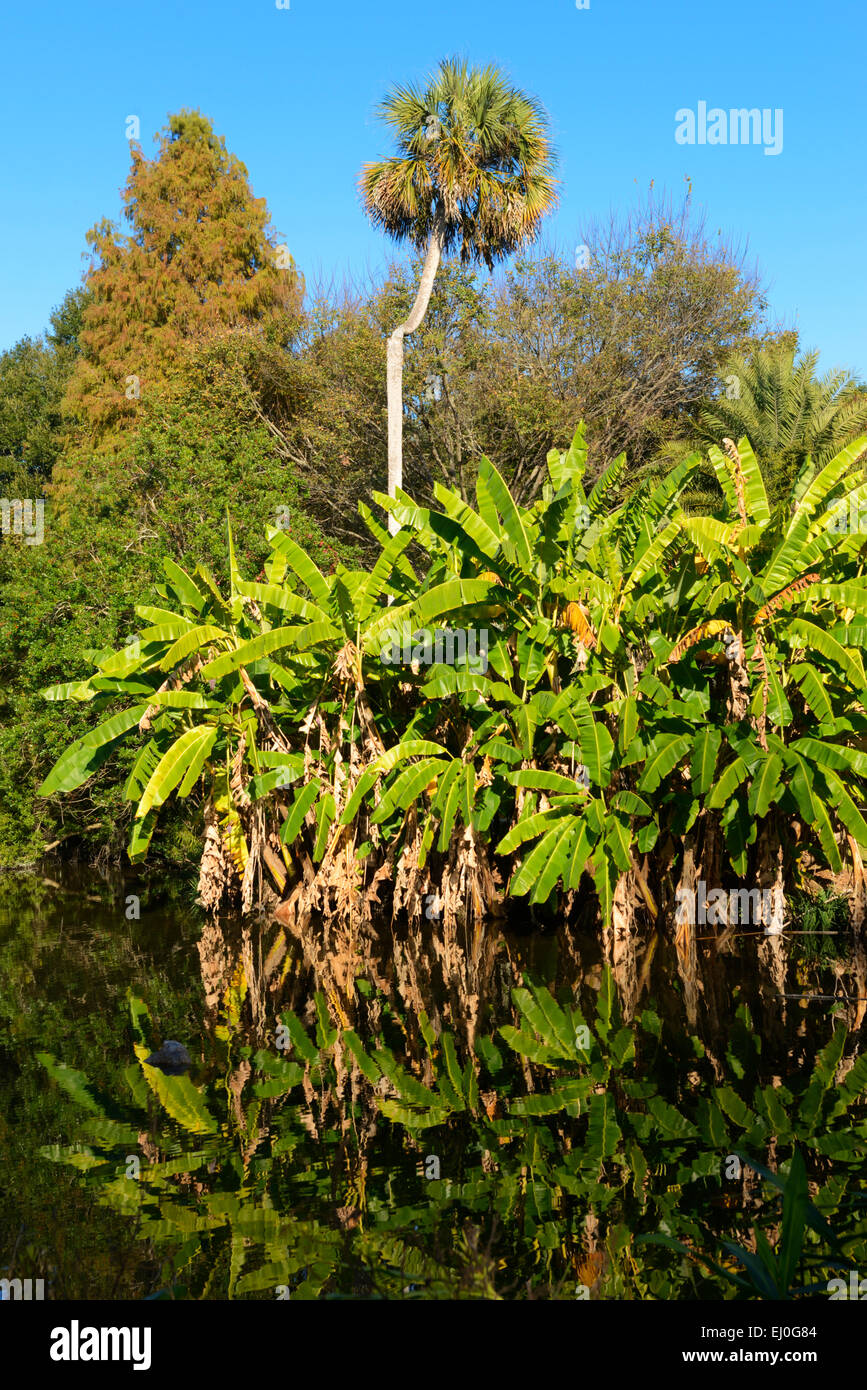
<point x="787" y="412"/>
<point x="473" y="155"/>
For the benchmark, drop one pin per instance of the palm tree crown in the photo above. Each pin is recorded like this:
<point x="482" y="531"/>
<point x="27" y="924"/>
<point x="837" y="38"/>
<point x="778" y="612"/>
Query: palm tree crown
<point x="474" y="165"/>
<point x="786" y="411"/>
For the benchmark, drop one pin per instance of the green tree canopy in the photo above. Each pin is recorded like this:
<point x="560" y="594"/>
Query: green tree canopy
<point x="33" y="378"/>
<point x="503" y="366"/>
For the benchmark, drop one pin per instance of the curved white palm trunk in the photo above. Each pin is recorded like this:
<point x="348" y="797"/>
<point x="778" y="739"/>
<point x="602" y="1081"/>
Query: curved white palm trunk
<point x="394" y="367"/>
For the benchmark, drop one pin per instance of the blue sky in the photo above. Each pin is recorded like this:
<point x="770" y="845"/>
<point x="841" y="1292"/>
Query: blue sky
<point x="294" y="92"/>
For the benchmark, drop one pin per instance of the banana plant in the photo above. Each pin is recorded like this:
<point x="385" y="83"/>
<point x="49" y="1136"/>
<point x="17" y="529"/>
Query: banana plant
<point x="779" y="601"/>
<point x="644" y="671"/>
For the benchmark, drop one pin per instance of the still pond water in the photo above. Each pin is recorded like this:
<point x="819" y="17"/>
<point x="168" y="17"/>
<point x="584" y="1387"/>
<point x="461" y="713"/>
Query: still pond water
<point x="497" y="1118"/>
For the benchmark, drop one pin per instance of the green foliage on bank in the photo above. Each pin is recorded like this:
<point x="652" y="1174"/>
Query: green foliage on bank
<point x="645" y="673"/>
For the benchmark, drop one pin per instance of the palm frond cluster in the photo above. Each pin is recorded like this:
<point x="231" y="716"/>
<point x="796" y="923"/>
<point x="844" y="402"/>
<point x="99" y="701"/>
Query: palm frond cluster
<point x="473" y="163"/>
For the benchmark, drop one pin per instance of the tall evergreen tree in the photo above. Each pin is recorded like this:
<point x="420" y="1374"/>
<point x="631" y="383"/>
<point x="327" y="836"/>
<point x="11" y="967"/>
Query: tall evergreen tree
<point x="200" y="257"/>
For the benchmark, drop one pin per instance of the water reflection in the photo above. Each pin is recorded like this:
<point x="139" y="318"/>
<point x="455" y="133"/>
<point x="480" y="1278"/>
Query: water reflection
<point x="435" y="1119"/>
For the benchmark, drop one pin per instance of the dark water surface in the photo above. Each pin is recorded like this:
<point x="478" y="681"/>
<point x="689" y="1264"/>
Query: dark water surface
<point x="498" y="1118"/>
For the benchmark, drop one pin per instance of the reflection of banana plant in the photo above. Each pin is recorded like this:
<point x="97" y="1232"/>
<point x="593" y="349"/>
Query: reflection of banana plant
<point x="816" y="1120"/>
<point x="195" y="1190"/>
<point x="771" y="1273"/>
<point x="626" y="1126"/>
<point x="454" y="1090"/>
<point x="559" y="1116"/>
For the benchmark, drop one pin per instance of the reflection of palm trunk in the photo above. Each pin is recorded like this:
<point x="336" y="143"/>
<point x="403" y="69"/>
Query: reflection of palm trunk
<point x="394" y="367"/>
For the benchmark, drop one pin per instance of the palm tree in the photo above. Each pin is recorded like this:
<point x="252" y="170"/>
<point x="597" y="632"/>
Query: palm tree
<point x="473" y="170"/>
<point x="785" y="410"/>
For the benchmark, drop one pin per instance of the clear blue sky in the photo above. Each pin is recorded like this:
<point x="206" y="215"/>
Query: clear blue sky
<point x="294" y="93"/>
